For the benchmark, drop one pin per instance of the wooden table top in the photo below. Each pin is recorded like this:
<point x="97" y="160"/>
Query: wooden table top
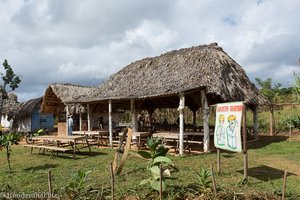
<point x="55" y="138"/>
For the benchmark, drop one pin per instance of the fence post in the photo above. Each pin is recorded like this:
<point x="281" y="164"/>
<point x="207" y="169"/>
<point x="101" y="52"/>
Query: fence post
<point x="160" y="181"/>
<point x="112" y="182"/>
<point x="49" y="185"/>
<point x="284" y="185"/>
<point x="213" y="181"/>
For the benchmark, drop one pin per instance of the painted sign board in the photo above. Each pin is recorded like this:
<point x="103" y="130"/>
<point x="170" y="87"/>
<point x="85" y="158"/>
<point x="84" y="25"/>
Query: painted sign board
<point x="228" y="126"/>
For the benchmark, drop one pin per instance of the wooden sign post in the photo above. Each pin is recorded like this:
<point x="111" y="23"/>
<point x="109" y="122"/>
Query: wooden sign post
<point x="230" y="118"/>
<point x="245" y="143"/>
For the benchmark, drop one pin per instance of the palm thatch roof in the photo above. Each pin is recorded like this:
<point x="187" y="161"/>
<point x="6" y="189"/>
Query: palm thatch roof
<point x="26" y="108"/>
<point x="57" y="95"/>
<point x="188" y="70"/>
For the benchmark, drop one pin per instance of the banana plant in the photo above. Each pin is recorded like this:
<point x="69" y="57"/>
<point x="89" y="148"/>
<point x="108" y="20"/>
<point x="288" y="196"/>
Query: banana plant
<point x="156" y="156"/>
<point x="5" y="142"/>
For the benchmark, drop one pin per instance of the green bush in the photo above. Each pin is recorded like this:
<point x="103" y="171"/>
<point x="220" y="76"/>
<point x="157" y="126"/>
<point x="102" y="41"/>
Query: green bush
<point x="293" y="121"/>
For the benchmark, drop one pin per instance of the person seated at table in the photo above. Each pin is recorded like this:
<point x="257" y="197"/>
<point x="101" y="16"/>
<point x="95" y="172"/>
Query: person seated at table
<point x="100" y="123"/>
<point x="85" y="126"/>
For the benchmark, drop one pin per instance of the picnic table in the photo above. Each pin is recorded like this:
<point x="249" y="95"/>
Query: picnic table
<point x="58" y="143"/>
<point x="100" y="135"/>
<point x="140" y="135"/>
<point x="174" y="136"/>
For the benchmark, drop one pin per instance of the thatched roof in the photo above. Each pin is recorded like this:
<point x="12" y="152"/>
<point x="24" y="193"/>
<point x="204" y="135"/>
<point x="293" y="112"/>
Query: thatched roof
<point x="57" y="95"/>
<point x="205" y="67"/>
<point x="26" y="108"/>
<point x="10" y="104"/>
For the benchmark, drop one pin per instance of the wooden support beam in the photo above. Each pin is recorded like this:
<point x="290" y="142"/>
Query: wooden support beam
<point x="245" y="152"/>
<point x="206" y="113"/>
<point x="181" y="122"/>
<point x="88" y="117"/>
<point x="110" y="123"/>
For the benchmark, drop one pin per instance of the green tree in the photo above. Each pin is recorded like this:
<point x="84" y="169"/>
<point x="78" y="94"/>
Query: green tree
<point x="296" y="87"/>
<point x="271" y="91"/>
<point x="11" y="80"/>
<point x="5" y="142"/>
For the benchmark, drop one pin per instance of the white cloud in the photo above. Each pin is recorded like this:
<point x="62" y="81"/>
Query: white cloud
<point x="155" y="34"/>
<point x="81" y="72"/>
<point x="285" y="71"/>
<point x="84" y="42"/>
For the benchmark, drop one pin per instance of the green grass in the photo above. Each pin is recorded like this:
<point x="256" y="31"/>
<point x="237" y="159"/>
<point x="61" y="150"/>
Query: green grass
<point x="268" y="158"/>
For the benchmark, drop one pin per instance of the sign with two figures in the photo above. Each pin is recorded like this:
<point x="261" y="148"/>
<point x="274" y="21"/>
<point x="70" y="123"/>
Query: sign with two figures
<point x="228" y="126"/>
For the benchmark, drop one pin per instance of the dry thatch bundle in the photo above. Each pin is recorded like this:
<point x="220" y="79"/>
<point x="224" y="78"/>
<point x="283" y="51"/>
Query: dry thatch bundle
<point x="188" y="70"/>
<point x="10" y="105"/>
<point x="57" y="95"/>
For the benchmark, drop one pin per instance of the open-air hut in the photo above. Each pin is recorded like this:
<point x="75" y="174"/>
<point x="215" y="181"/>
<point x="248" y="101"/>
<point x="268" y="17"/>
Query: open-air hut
<point x="196" y="77"/>
<point x="29" y="118"/>
<point x="55" y="101"/>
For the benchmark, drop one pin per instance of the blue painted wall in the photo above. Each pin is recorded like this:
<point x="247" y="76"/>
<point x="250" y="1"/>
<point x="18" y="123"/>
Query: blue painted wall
<point x="39" y="121"/>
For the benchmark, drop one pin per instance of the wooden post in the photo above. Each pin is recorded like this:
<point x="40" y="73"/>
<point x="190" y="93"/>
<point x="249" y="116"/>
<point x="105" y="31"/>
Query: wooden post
<point x="272" y="120"/>
<point x="255" y="123"/>
<point x="181" y="122"/>
<point x="134" y="123"/>
<point x="290" y="132"/>
<point x="50" y="184"/>
<point x="213" y="181"/>
<point x="218" y="161"/>
<point x="80" y="121"/>
<point x="194" y="120"/>
<point x="112" y="182"/>
<point x="284" y="185"/>
<point x="88" y="117"/>
<point x="206" y="113"/>
<point x="245" y="143"/>
<point x="271" y="124"/>
<point x="160" y="182"/>
<point x="67" y="123"/>
<point x="110" y="123"/>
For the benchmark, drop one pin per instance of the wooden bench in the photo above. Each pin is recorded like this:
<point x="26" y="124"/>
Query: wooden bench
<point x="53" y="148"/>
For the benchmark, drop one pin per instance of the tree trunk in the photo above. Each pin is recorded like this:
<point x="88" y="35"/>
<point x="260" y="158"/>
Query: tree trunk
<point x="272" y="121"/>
<point x="2" y="101"/>
<point x="7" y="157"/>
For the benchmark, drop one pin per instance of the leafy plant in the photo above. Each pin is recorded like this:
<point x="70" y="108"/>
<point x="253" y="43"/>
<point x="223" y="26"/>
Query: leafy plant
<point x="156" y="148"/>
<point x="74" y="189"/>
<point x="204" y="181"/>
<point x="5" y="142"/>
<point x="296" y="87"/>
<point x="271" y="92"/>
<point x="293" y="121"/>
<point x="242" y="182"/>
<point x="157" y="157"/>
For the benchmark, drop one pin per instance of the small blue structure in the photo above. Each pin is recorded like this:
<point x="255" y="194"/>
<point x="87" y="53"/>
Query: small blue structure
<point x="29" y="118"/>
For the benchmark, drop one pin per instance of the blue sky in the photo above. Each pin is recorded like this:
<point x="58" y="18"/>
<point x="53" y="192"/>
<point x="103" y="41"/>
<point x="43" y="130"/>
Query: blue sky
<point x="84" y="42"/>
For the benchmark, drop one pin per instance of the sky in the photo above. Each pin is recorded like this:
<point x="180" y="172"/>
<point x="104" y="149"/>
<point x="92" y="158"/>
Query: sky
<point x="84" y="42"/>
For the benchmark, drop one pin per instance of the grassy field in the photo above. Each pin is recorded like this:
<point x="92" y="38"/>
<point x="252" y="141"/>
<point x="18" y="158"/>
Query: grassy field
<point x="268" y="158"/>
